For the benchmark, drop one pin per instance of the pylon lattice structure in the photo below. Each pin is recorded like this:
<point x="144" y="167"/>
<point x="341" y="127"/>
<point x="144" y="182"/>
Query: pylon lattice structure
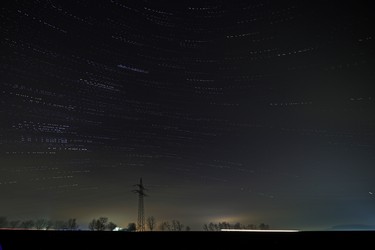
<point x="141" y="215"/>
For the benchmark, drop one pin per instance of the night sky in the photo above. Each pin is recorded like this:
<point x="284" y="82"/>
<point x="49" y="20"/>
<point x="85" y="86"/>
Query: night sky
<point x="239" y="111"/>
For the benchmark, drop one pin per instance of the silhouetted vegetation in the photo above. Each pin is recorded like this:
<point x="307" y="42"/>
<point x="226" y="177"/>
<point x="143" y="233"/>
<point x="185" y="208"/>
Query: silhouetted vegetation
<point x="225" y="225"/>
<point x="151" y="223"/>
<point x="132" y="227"/>
<point x="165" y="226"/>
<point x="175" y="225"/>
<point x="101" y="224"/>
<point x="39" y="224"/>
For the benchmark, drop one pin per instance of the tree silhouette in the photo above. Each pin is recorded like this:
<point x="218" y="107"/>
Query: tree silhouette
<point x="72" y="224"/>
<point x="101" y="224"/>
<point x="151" y="222"/>
<point x="41" y="224"/>
<point x="111" y="226"/>
<point x="49" y="224"/>
<point x="225" y="225"/>
<point x="28" y="224"/>
<point x="92" y="225"/>
<point x="211" y="227"/>
<point x="98" y="224"/>
<point x="132" y="227"/>
<point x="177" y="226"/>
<point x="165" y="226"/>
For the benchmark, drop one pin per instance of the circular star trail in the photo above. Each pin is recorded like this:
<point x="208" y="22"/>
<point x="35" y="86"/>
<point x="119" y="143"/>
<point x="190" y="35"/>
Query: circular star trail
<point x="247" y="111"/>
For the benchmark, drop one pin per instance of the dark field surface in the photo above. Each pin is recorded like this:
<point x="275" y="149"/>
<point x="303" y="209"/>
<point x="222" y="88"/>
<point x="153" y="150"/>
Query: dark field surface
<point x="13" y="239"/>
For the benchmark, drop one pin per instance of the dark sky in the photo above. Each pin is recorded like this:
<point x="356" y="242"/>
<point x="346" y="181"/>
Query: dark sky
<point x="238" y="111"/>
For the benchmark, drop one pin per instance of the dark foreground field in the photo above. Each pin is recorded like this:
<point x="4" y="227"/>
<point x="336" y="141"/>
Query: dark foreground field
<point x="17" y="239"/>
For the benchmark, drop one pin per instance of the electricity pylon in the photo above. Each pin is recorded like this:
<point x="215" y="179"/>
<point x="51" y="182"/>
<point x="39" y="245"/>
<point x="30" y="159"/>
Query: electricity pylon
<point x="141" y="216"/>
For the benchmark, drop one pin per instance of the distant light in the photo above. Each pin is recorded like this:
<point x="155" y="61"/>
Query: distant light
<point x="117" y="229"/>
<point x="263" y="231"/>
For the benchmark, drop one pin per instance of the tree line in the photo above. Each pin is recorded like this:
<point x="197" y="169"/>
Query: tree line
<point x="225" y="225"/>
<point x="45" y="224"/>
<point x="104" y="224"/>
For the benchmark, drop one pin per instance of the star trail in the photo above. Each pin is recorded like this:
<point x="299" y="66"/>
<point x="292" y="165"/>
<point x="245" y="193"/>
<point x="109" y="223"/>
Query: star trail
<point x="246" y="111"/>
